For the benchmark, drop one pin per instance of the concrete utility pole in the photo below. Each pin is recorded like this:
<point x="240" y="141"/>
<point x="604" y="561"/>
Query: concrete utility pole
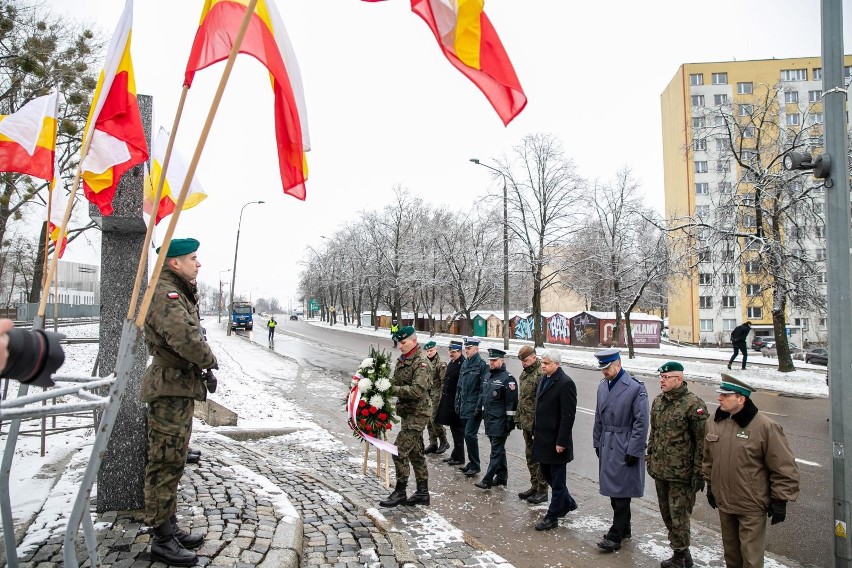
<point x="839" y="238"/>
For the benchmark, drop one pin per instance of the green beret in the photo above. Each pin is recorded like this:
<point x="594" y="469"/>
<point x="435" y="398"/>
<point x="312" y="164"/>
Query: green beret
<point x="430" y="345"/>
<point x="180" y="247"/>
<point x="670" y="367"/>
<point x="404" y="332"/>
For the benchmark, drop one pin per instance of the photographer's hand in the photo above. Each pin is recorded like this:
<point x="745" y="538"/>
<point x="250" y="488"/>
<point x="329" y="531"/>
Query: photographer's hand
<point x="5" y="326"/>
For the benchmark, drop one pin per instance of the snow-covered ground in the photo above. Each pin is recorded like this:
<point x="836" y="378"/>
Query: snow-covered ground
<point x="762" y="373"/>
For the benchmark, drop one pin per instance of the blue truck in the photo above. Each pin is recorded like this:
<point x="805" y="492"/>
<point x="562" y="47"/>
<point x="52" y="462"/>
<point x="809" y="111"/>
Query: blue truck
<point x="241" y="316"/>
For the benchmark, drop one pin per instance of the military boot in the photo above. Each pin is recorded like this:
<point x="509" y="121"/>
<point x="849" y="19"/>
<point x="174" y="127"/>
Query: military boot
<point x="398" y="496"/>
<point x="186" y="539"/>
<point x="443" y="446"/>
<point x="421" y="496"/>
<point x="431" y="448"/>
<point x="168" y="550"/>
<point x="528" y="493"/>
<point x="680" y="559"/>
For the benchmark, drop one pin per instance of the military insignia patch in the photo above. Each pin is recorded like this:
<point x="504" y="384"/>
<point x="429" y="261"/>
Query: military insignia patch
<point x="423" y="365"/>
<point x="699" y="411"/>
<point x="173" y="295"/>
<point x="512" y="386"/>
<point x="443" y="365"/>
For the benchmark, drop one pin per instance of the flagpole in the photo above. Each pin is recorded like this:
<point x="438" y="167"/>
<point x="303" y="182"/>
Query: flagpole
<point x="143" y="258"/>
<point x="164" y="247"/>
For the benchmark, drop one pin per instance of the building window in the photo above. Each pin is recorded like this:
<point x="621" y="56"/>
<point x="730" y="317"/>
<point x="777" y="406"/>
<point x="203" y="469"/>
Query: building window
<point x="723" y="166"/>
<point x="721" y="144"/>
<point x="698" y="100"/>
<point x="729" y="324"/>
<point x="745" y="88"/>
<point x="698" y="122"/>
<point x="752" y="267"/>
<point x="820" y="231"/>
<point x="725" y="187"/>
<point x="818" y="207"/>
<point x="700" y="167"/>
<point x="705" y="302"/>
<point x="702" y="210"/>
<point x="794" y="74"/>
<point x="821" y="278"/>
<point x="820" y="254"/>
<point x="748" y="132"/>
<point x="719" y="121"/>
<point x="702" y="188"/>
<point x="696" y="79"/>
<point x="746" y="110"/>
<point x="728" y="254"/>
<point x="720" y="100"/>
<point x="749" y="221"/>
<point x="705" y="279"/>
<point x="704" y="256"/>
<point x="847" y="72"/>
<point x="706" y="324"/>
<point x="720" y="78"/>
<point x="752" y="289"/>
<point x="817" y="73"/>
<point x="801" y="322"/>
<point x="699" y="144"/>
<point x="816" y="118"/>
<point x="823" y="324"/>
<point x="793" y="119"/>
<point x="729" y="302"/>
<point x="815" y="96"/>
<point x="791" y="97"/>
<point x="755" y="313"/>
<point x="727" y="278"/>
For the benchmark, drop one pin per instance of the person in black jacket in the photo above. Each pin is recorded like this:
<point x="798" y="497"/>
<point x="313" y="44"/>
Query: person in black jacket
<point x="447" y="414"/>
<point x="553" y="445"/>
<point x="738" y="341"/>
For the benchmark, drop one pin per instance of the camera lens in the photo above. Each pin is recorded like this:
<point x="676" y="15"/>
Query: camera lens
<point x="34" y="355"/>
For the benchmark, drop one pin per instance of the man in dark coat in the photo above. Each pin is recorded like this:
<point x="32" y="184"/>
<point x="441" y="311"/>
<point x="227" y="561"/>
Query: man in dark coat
<point x="499" y="402"/>
<point x="738" y="341"/>
<point x="553" y="445"/>
<point x="620" y="436"/>
<point x="446" y="413"/>
<point x="474" y="371"/>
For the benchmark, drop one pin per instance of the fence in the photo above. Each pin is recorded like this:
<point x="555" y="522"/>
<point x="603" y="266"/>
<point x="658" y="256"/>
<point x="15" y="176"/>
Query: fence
<point x="27" y="312"/>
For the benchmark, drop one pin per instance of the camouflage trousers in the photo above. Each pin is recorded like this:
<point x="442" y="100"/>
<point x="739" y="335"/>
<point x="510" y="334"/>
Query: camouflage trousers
<point x="676" y="501"/>
<point x="169" y="428"/>
<point x="436" y="431"/>
<point x="409" y="445"/>
<point x="537" y="481"/>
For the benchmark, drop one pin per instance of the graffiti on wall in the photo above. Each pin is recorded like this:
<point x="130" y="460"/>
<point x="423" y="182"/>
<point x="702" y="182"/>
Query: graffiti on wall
<point x="559" y="329"/>
<point x="524" y="328"/>
<point x="585" y="329"/>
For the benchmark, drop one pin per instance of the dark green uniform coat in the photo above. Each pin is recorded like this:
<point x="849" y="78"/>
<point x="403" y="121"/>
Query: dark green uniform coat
<point x="411" y="380"/>
<point x="676" y="445"/>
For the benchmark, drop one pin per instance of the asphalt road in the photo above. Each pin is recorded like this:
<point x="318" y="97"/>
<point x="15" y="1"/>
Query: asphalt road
<point x="503" y="523"/>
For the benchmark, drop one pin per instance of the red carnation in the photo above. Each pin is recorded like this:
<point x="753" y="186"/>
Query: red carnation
<point x="363" y="422"/>
<point x="389" y="426"/>
<point x="383" y="416"/>
<point x="369" y="428"/>
<point x="361" y="403"/>
<point x="365" y="412"/>
<point x="373" y="410"/>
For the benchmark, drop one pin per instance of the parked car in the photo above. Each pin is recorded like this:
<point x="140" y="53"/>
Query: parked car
<point x="817" y="356"/>
<point x="796" y="352"/>
<point x="759" y="342"/>
<point x="294" y="317"/>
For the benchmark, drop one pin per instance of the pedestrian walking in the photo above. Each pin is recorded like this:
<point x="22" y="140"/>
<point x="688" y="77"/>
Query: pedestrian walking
<point x="170" y="386"/>
<point x="394" y="328"/>
<point x="447" y="414"/>
<point x="271" y="326"/>
<point x="524" y="417"/>
<point x="499" y="402"/>
<point x="751" y="473"/>
<point x="675" y="454"/>
<point x="620" y="434"/>
<point x="738" y="341"/>
<point x="437" y="436"/>
<point x="411" y="380"/>
<point x="553" y="443"/>
<point x="474" y="372"/>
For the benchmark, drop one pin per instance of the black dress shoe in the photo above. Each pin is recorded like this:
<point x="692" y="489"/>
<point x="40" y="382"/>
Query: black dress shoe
<point x="537" y="498"/>
<point x="430" y="449"/>
<point x="484" y="484"/>
<point x="546" y="524"/>
<point x="567" y="510"/>
<point x="471" y="472"/>
<point x="528" y="493"/>
<point x="608" y="545"/>
<point x="499" y="482"/>
<point x="453" y="461"/>
<point x="464" y="468"/>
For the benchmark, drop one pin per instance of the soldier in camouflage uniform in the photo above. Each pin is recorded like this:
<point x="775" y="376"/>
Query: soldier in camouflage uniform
<point x="170" y="387"/>
<point x="675" y="453"/>
<point x="411" y="381"/>
<point x="437" y="436"/>
<point x="528" y="386"/>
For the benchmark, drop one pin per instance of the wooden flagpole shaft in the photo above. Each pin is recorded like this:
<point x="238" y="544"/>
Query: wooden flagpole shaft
<point x="366" y="458"/>
<point x="167" y="239"/>
<point x="47" y="236"/>
<point x="143" y="258"/>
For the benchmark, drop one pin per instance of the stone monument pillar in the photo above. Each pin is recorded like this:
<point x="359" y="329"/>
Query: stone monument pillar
<point x="121" y="479"/>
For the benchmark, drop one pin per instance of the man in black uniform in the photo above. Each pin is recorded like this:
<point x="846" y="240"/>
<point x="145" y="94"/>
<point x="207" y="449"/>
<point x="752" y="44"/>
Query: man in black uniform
<point x="446" y="413"/>
<point x="738" y="341"/>
<point x="498" y="401"/>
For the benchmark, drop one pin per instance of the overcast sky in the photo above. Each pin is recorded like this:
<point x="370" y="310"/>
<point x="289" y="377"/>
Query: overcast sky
<point x="385" y="107"/>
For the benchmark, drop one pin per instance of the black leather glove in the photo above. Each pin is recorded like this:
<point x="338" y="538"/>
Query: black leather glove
<point x="697" y="484"/>
<point x="630" y="460"/>
<point x="510" y="425"/>
<point x="477" y="414"/>
<point x="777" y="511"/>
<point x="598" y="452"/>
<point x="211" y="381"/>
<point x="711" y="499"/>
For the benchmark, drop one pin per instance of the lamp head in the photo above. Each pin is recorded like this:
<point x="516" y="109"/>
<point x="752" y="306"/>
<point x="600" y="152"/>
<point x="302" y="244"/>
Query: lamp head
<point x="475" y="160"/>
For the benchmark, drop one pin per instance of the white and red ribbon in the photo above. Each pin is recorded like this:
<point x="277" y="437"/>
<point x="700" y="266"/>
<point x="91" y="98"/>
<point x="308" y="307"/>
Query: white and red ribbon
<point x="352" y="410"/>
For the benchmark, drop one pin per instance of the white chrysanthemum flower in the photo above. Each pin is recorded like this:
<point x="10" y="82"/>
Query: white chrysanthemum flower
<point x="377" y="401"/>
<point x="366" y="363"/>
<point x="366" y="384"/>
<point x="382" y="385"/>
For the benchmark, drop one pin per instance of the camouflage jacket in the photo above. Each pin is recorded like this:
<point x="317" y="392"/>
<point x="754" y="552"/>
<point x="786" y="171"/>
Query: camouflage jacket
<point x="173" y="337"/>
<point x="676" y="444"/>
<point x="439" y="368"/>
<point x="528" y="385"/>
<point x="411" y="380"/>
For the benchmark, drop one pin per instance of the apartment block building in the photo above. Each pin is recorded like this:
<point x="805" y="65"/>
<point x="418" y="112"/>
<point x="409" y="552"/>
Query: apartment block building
<point x="725" y="126"/>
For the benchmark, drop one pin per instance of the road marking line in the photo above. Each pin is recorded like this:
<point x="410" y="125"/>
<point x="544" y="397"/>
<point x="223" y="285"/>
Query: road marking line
<point x="806" y="462"/>
<point x="585" y="410"/>
<point x="762" y="411"/>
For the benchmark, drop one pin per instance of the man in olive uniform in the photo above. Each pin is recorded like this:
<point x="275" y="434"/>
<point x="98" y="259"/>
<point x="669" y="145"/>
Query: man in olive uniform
<point x="528" y="386"/>
<point x="675" y="453"/>
<point x="437" y="436"/>
<point x="411" y="380"/>
<point x="170" y="387"/>
<point x="499" y="401"/>
<point x="474" y="372"/>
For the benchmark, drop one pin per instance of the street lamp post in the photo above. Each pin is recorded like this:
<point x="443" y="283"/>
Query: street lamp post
<point x="219" y="304"/>
<point x="234" y="269"/>
<point x="505" y="253"/>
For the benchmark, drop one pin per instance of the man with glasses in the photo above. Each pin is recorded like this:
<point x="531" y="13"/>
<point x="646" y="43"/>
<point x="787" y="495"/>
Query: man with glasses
<point x="474" y="372"/>
<point x="524" y="417"/>
<point x="675" y="453"/>
<point x="750" y="470"/>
